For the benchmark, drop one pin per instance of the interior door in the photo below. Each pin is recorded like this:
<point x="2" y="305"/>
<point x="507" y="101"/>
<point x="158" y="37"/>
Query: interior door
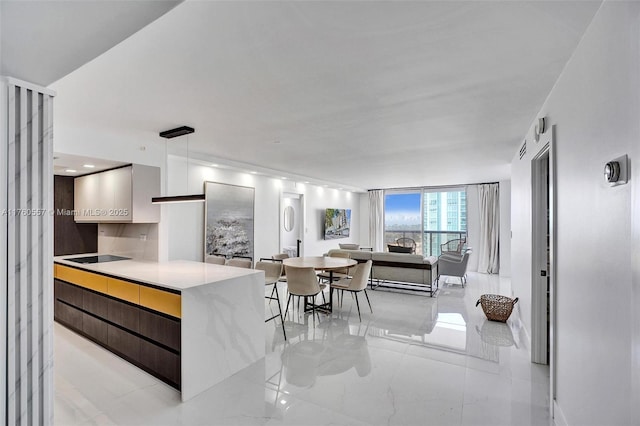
<point x="291" y="219"/>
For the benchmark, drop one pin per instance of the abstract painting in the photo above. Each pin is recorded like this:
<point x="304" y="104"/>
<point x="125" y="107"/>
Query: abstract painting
<point x="229" y="211"/>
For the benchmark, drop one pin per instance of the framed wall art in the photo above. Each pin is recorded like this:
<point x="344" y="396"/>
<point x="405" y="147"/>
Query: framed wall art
<point x="229" y="220"/>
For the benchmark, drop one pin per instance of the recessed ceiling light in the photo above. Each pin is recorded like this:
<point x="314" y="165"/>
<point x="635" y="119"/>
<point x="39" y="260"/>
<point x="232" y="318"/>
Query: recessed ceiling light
<point x="325" y="185"/>
<point x="70" y="170"/>
<point x="214" y="165"/>
<point x="276" y="142"/>
<point x="339" y="189"/>
<point x="283" y="177"/>
<point x="89" y="166"/>
<point x="253" y="172"/>
<point x="306" y="181"/>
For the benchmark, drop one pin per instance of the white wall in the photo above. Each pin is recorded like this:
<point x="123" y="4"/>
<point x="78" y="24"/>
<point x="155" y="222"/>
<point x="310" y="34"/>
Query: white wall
<point x="317" y="199"/>
<point x="186" y="221"/>
<point x="595" y="107"/>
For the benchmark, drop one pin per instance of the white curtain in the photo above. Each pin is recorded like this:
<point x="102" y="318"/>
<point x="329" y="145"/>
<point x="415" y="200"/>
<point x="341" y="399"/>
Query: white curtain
<point x="489" y="202"/>
<point x="376" y="222"/>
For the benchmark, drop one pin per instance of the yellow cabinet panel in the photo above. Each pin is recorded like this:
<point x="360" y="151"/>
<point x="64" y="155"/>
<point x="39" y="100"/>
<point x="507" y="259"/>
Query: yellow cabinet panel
<point x="162" y="301"/>
<point x="83" y="279"/>
<point x="124" y="290"/>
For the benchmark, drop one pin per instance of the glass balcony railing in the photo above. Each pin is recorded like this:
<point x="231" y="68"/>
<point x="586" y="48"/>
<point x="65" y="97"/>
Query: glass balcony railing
<point x="427" y="242"/>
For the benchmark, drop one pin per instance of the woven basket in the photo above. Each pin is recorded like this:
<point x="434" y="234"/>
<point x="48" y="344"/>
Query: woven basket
<point x="496" y="307"/>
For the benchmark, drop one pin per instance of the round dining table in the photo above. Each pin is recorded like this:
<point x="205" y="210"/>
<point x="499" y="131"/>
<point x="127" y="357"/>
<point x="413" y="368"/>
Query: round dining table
<point x="321" y="263"/>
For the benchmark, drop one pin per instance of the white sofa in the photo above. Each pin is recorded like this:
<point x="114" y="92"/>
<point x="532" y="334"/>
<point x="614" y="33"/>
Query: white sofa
<point x="409" y="270"/>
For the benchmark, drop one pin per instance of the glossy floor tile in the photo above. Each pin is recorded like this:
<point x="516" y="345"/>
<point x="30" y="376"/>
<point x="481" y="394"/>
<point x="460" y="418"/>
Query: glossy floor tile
<point x="416" y="360"/>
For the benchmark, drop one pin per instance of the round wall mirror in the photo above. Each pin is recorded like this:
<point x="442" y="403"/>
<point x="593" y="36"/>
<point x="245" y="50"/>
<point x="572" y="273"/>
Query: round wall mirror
<point x="288" y="218"/>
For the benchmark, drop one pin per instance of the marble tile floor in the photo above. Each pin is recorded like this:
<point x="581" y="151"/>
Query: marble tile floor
<point x="416" y="361"/>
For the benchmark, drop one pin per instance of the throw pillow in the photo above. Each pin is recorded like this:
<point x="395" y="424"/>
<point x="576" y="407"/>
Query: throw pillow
<point x="345" y="246"/>
<point x="398" y="249"/>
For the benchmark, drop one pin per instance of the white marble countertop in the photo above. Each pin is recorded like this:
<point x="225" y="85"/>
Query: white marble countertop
<point x="175" y="274"/>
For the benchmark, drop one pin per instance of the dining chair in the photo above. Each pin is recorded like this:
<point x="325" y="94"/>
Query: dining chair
<point x="279" y="258"/>
<point x="216" y="260"/>
<point x="272" y="272"/>
<point x="337" y="273"/>
<point x="239" y="263"/>
<point x="303" y="282"/>
<point x="356" y="284"/>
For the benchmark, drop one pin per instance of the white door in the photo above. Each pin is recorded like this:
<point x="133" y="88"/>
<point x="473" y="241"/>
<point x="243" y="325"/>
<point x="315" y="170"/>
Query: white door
<point x="291" y="222"/>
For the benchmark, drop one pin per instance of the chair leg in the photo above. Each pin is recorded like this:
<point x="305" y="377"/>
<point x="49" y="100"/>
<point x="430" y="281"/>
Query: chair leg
<point x="358" y="305"/>
<point x="275" y="287"/>
<point x="286" y="310"/>
<point x="313" y="311"/>
<point x="365" y="293"/>
<point x="272" y="291"/>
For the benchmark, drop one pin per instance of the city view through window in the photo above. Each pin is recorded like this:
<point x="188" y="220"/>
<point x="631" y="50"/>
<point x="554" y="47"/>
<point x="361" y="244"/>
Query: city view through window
<point x="430" y="218"/>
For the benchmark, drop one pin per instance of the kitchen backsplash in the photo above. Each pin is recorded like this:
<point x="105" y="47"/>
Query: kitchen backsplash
<point x="136" y="240"/>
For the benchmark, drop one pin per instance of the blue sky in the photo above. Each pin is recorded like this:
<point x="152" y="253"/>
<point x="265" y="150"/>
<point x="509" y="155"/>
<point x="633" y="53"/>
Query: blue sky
<point x="402" y="209"/>
<point x="402" y="202"/>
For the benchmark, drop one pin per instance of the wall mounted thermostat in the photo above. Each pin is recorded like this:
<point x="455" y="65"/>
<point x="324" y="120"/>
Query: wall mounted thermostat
<point x="615" y="171"/>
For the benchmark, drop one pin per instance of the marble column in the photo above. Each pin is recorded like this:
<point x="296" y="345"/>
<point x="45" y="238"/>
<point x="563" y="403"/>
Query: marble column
<point x="26" y="179"/>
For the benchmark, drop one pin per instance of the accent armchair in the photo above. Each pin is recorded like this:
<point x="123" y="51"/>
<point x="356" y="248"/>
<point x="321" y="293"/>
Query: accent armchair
<point x="454" y="265"/>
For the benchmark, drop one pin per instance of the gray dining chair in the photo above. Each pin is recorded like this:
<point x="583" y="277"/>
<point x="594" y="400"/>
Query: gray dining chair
<point x="214" y="259"/>
<point x="239" y="262"/>
<point x="303" y="282"/>
<point x="272" y="272"/>
<point x="338" y="273"/>
<point x="356" y="284"/>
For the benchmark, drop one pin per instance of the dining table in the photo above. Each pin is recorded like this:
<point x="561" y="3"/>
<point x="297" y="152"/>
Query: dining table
<point x="321" y="263"/>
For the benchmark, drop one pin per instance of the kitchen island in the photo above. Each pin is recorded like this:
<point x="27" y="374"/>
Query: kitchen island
<point x="190" y="324"/>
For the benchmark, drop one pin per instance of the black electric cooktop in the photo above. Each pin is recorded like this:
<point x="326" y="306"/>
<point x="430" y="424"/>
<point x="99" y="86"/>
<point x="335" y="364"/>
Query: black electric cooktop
<point x="101" y="258"/>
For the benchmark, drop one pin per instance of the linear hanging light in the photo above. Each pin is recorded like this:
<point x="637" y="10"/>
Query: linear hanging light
<point x="169" y="134"/>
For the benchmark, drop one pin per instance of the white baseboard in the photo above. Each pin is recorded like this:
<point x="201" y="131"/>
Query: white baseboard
<point x="558" y="416"/>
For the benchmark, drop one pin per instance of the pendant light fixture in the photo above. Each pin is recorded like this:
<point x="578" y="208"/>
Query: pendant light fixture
<point x="169" y="134"/>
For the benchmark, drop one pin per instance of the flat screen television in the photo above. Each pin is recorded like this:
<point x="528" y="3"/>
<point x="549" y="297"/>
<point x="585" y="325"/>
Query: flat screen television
<point x="337" y="223"/>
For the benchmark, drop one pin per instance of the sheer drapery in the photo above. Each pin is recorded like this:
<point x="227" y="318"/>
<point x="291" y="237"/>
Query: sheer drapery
<point x="489" y="201"/>
<point x="376" y="215"/>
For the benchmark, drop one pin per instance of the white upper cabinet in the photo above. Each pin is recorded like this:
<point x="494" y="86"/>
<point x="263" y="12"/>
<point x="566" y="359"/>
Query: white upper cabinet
<point x="121" y="195"/>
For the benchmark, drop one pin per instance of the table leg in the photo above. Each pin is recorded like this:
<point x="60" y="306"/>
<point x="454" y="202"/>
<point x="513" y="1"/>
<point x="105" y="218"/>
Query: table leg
<point x="330" y="308"/>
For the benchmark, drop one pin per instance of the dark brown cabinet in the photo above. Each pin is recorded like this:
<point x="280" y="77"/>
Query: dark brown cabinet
<point x="68" y="315"/>
<point x="148" y="339"/>
<point x="94" y="327"/>
<point x="164" y="362"/>
<point x="160" y="329"/>
<point x="124" y="343"/>
<point x="94" y="303"/>
<point x="125" y="315"/>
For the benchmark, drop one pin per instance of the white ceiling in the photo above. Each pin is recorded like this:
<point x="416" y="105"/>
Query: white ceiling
<point x="366" y="94"/>
<point x="75" y="165"/>
<point x="66" y="34"/>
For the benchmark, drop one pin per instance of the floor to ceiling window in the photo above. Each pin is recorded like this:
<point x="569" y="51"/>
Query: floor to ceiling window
<point x="403" y="217"/>
<point x="445" y="217"/>
<point x="430" y="216"/>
